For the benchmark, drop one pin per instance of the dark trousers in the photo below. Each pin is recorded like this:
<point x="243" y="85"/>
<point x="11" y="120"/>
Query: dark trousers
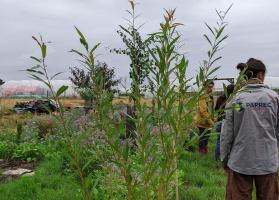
<point x="217" y="144"/>
<point x="204" y="136"/>
<point x="240" y="186"/>
<point x="217" y="148"/>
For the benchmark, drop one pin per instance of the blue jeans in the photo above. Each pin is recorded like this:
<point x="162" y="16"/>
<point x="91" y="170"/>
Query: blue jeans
<point x="204" y="136"/>
<point x="217" y="148"/>
<point x="217" y="144"/>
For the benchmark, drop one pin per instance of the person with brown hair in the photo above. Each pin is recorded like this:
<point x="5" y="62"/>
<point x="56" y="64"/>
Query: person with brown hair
<point x="249" y="137"/>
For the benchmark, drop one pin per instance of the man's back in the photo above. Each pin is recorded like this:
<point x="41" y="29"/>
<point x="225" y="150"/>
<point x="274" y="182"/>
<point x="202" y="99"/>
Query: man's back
<point x="250" y="131"/>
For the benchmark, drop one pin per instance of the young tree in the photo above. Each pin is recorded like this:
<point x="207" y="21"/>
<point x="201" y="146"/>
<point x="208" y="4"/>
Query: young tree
<point x="108" y="81"/>
<point x="103" y="76"/>
<point x="136" y="48"/>
<point x="79" y="78"/>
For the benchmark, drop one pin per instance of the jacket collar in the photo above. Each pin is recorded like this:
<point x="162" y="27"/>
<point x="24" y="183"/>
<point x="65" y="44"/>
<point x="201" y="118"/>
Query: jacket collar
<point x="255" y="83"/>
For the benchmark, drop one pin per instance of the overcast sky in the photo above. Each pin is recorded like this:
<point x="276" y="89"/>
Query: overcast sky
<point x="253" y="29"/>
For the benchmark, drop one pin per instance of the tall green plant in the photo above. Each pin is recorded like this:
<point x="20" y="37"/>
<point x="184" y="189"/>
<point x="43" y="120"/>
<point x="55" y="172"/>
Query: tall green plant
<point x="105" y="120"/>
<point x="136" y="48"/>
<point x="87" y="59"/>
<point x="175" y="108"/>
<point x="208" y="68"/>
<point x="40" y="73"/>
<point x="170" y="109"/>
<point x="215" y="38"/>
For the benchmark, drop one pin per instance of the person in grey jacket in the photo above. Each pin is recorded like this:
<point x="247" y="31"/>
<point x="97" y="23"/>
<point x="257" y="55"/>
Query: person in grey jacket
<point x="249" y="138"/>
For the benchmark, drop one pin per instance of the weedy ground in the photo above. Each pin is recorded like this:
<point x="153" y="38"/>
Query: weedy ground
<point x="8" y="103"/>
<point x="202" y="178"/>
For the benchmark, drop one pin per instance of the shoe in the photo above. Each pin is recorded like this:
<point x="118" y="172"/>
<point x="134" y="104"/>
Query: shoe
<point x="206" y="150"/>
<point x="202" y="150"/>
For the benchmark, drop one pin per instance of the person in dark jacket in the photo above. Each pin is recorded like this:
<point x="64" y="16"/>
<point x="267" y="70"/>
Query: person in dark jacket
<point x="220" y="109"/>
<point x="249" y="138"/>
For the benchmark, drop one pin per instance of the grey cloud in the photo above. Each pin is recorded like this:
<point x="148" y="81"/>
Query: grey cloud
<point x="252" y="28"/>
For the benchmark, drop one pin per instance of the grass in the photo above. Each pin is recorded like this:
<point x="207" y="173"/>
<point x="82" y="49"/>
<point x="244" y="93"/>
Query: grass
<point x="204" y="177"/>
<point x="48" y="183"/>
<point x="10" y="121"/>
<point x="203" y="180"/>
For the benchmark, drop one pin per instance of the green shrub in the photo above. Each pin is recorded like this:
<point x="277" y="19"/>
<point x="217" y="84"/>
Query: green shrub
<point x="28" y="152"/>
<point x="7" y="135"/>
<point x="19" y="128"/>
<point x="7" y="149"/>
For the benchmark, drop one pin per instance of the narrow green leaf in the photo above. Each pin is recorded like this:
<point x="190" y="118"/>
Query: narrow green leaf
<point x="55" y="75"/>
<point x="225" y="90"/>
<point x="87" y="164"/>
<point x="36" y="59"/>
<point x="207" y="38"/>
<point x="61" y="90"/>
<point x="220" y="32"/>
<point x="82" y="39"/>
<point x="213" y="70"/>
<point x="201" y="75"/>
<point x="219" y="15"/>
<point x="40" y="79"/>
<point x="174" y="41"/>
<point x="95" y="47"/>
<point x="210" y="29"/>
<point x="221" y="40"/>
<point x="80" y="33"/>
<point x="209" y="53"/>
<point x="44" y="49"/>
<point x="216" y="59"/>
<point x="124" y="29"/>
<point x="216" y="30"/>
<point x="126" y="151"/>
<point x="36" y="67"/>
<point x="34" y="38"/>
<point x="132" y="4"/>
<point x="77" y="52"/>
<point x="197" y="81"/>
<point x="35" y="71"/>
<point x="91" y="57"/>
<point x="228" y="9"/>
